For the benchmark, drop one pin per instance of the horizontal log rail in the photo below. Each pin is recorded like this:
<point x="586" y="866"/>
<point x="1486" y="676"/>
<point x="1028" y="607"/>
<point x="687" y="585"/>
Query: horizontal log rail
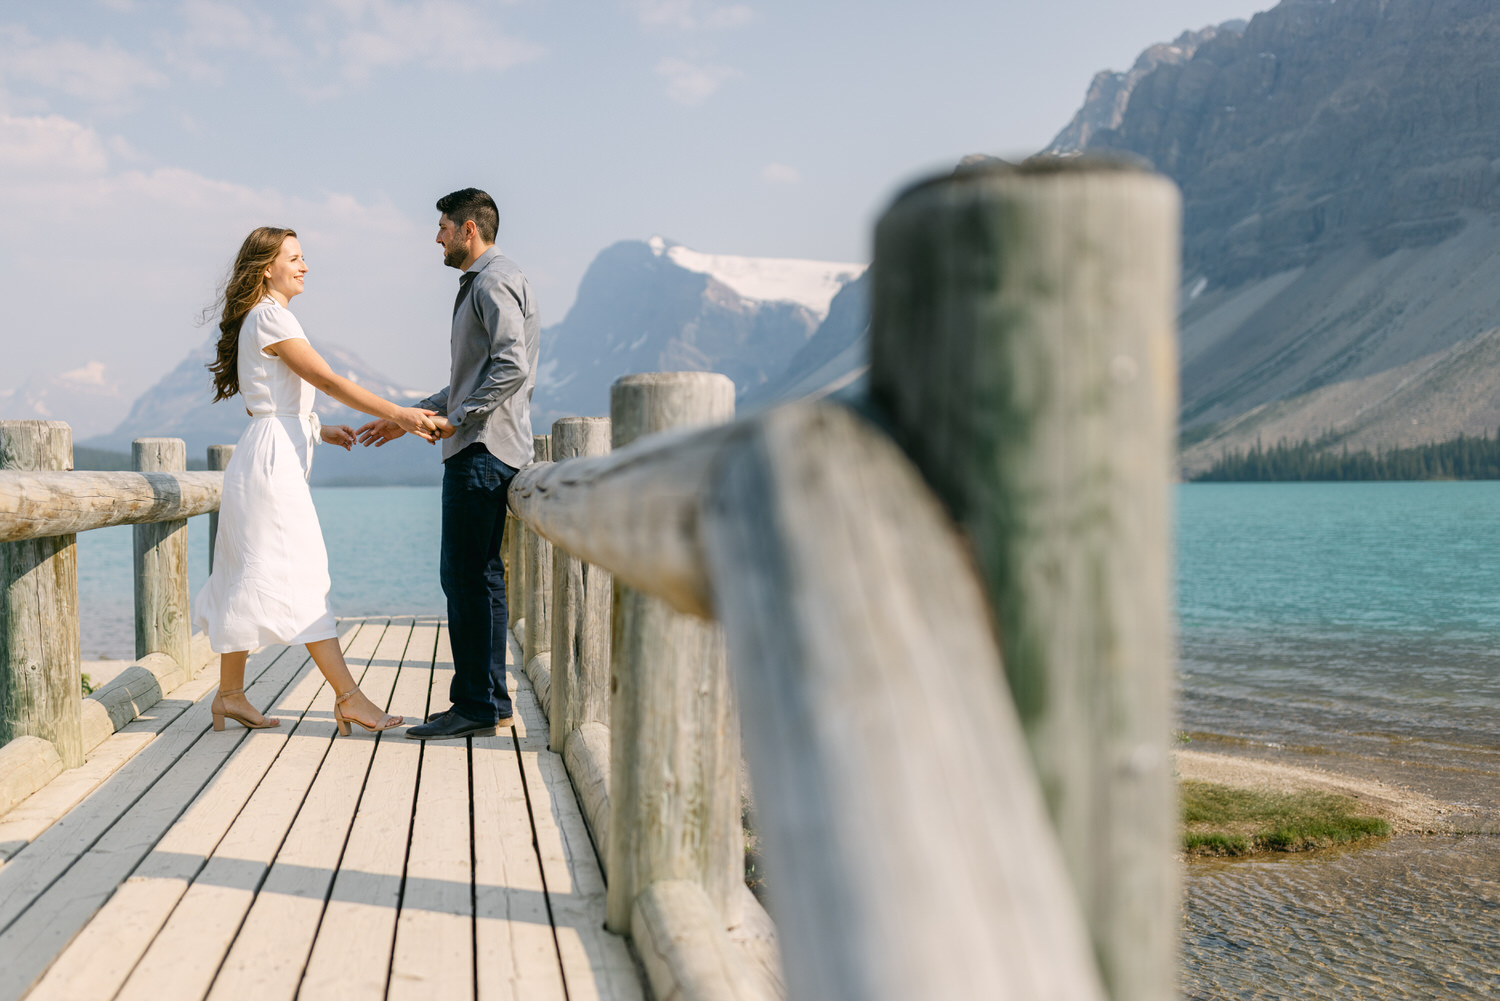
<point x="44" y="503"/>
<point x="633" y="512"/>
<point x="39" y="505"/>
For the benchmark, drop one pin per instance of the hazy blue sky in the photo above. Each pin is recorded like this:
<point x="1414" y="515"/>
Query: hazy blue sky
<point x="140" y="141"/>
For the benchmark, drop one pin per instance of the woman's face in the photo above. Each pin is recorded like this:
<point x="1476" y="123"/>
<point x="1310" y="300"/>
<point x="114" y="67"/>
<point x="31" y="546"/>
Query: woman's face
<point x="285" y="276"/>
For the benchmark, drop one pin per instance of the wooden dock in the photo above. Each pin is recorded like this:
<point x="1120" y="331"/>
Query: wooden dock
<point x="286" y="863"/>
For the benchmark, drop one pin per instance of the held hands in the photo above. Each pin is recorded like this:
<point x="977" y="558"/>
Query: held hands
<point x="338" y="434"/>
<point x="426" y="425"/>
<point x="414" y="420"/>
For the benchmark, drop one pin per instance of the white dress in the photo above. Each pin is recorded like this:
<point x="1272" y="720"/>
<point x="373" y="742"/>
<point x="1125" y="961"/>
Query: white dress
<point x="270" y="578"/>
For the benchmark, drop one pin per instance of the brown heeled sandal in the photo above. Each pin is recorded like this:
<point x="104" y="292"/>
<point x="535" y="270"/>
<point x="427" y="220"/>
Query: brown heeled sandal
<point x="216" y="708"/>
<point x="387" y="722"/>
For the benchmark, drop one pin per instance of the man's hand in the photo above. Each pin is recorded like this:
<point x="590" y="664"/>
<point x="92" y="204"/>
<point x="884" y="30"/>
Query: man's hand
<point x="379" y="432"/>
<point x="338" y="434"/>
<point x="444" y="428"/>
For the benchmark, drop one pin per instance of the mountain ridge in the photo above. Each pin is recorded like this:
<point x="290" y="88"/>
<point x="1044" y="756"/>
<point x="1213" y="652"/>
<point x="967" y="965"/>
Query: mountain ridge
<point x="644" y="305"/>
<point x="1340" y="171"/>
<point x="655" y="305"/>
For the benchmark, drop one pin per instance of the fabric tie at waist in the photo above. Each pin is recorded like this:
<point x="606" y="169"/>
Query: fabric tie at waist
<point x="310" y="417"/>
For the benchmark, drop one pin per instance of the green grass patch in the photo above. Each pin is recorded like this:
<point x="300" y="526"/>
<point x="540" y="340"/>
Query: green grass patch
<point x="1223" y="820"/>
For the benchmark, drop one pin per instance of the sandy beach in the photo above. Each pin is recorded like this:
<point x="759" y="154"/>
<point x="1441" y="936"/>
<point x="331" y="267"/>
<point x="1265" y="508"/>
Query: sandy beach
<point x="1405" y="809"/>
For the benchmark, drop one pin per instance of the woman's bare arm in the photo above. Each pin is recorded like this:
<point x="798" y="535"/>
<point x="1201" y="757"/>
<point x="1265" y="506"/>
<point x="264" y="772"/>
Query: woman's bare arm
<point x="302" y="359"/>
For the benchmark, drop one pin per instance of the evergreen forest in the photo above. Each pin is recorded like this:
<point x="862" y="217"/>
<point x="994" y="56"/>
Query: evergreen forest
<point x="1461" y="458"/>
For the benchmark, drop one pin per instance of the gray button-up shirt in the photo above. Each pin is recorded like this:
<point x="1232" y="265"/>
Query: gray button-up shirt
<point x="496" y="339"/>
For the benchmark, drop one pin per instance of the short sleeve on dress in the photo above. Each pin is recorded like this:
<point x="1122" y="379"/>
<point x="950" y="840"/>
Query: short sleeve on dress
<point x="273" y="323"/>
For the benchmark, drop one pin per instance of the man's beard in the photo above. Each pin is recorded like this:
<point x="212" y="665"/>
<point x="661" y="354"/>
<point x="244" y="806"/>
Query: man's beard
<point x="454" y="254"/>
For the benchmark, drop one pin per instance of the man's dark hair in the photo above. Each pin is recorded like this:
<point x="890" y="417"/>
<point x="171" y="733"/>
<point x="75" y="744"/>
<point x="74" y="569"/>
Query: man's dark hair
<point x="471" y="203"/>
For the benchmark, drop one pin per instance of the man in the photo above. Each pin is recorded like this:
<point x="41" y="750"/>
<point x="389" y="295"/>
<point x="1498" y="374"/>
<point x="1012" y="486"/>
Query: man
<point x="486" y="430"/>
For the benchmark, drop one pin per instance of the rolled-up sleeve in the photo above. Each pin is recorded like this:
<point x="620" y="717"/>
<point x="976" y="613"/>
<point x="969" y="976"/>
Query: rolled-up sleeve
<point x="503" y="317"/>
<point x="437" y="402"/>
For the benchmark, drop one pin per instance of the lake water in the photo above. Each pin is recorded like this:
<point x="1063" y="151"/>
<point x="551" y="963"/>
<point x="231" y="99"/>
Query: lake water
<point x="1362" y="610"/>
<point x="382" y="556"/>
<point x="1351" y="626"/>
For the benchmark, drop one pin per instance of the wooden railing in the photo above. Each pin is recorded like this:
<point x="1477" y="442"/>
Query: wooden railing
<point x="946" y="618"/>
<point x="46" y="725"/>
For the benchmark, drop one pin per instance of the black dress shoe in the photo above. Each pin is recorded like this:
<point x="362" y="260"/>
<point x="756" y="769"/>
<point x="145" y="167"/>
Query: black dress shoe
<point x="449" y="725"/>
<point x="499" y="724"/>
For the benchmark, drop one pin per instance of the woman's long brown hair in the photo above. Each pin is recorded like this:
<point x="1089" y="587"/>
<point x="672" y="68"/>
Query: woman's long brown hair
<point x="245" y="287"/>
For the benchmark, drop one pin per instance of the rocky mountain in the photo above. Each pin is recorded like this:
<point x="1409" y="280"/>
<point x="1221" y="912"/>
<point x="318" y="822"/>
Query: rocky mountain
<point x="1340" y="169"/>
<point x="834" y="360"/>
<point x="179" y="406"/>
<point x="656" y="305"/>
<point x="1109" y="92"/>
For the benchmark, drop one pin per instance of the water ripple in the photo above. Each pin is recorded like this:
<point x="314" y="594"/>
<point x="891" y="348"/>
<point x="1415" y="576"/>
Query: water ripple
<point x="1417" y="917"/>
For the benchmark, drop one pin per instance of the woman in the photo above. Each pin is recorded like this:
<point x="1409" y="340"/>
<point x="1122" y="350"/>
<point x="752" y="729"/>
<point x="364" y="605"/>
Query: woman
<point x="270" y="578"/>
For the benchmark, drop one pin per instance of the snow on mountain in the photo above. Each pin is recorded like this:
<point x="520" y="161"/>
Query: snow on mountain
<point x="658" y="306"/>
<point x="812" y="284"/>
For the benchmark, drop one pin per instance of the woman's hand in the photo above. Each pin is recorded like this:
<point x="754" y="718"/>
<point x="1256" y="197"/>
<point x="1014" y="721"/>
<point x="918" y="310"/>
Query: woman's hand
<point x="378" y="432"/>
<point x="338" y="434"/>
<point x="415" y="420"/>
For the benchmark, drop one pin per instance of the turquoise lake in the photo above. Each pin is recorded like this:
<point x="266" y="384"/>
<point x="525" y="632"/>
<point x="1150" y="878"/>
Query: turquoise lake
<point x="1364" y="608"/>
<point x="1347" y="613"/>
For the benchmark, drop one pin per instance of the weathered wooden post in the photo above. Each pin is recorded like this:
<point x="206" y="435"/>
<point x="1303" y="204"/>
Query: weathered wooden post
<point x="218" y="459"/>
<point x="537" y="559"/>
<point x="674" y="734"/>
<point x="1023" y="346"/>
<point x="582" y="600"/>
<point x="507" y="551"/>
<point x="162" y="622"/>
<point x="40" y="684"/>
<point x="514" y="579"/>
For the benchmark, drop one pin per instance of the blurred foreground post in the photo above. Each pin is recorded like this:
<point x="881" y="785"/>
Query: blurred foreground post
<point x="218" y="460"/>
<point x="1023" y="345"/>
<point x="162" y="623"/>
<point x="40" y="683"/>
<point x="674" y="735"/>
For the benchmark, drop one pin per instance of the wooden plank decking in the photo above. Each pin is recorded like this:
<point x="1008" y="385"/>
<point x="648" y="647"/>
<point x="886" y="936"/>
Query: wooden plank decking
<point x="283" y="863"/>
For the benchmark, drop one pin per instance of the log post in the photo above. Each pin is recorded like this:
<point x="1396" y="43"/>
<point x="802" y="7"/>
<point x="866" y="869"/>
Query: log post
<point x="162" y="622"/>
<point x="40" y="683"/>
<point x="514" y="573"/>
<point x="582" y="600"/>
<point x="674" y="734"/>
<point x="218" y="459"/>
<point x="910" y="850"/>
<point x="537" y="558"/>
<point x="1023" y="347"/>
<point x="507" y="548"/>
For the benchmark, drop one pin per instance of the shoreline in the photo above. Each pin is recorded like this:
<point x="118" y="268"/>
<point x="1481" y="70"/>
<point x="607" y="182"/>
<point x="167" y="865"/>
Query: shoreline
<point x="1405" y="809"/>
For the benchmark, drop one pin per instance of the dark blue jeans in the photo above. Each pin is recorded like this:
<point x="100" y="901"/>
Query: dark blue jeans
<point x="473" y="576"/>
